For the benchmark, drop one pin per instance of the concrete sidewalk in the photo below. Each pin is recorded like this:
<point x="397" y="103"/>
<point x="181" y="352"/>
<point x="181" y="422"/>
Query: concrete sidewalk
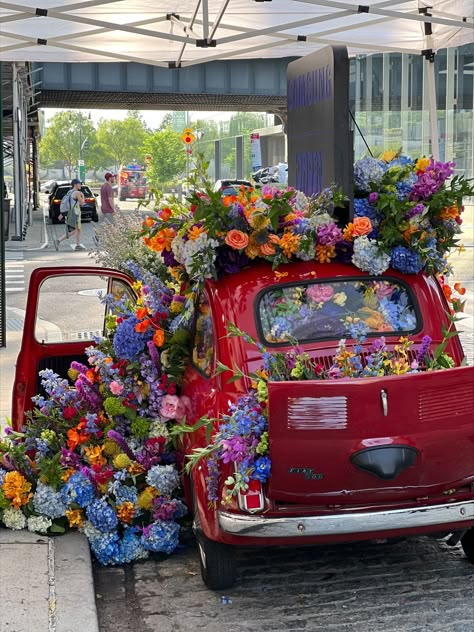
<point x="46" y="583"/>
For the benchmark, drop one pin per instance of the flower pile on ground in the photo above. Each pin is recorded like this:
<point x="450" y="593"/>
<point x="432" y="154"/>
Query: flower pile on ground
<point x="406" y="215"/>
<point x="96" y="452"/>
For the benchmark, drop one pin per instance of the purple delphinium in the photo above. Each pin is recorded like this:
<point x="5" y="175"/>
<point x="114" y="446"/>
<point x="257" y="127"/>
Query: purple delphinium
<point x="424" y="348"/>
<point x="115" y="436"/>
<point x="416" y="210"/>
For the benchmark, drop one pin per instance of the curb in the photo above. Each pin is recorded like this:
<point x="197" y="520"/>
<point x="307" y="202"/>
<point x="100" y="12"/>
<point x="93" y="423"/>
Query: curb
<point x="43" y="244"/>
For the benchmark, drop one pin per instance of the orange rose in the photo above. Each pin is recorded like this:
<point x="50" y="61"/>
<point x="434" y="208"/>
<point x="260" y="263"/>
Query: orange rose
<point x="361" y="226"/>
<point x="236" y="239"/>
<point x="267" y="250"/>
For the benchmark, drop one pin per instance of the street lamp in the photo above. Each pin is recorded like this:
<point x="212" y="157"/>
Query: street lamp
<point x="83" y="144"/>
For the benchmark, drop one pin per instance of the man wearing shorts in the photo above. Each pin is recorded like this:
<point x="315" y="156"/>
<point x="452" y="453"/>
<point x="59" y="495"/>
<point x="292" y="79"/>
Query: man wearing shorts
<point x="73" y="218"/>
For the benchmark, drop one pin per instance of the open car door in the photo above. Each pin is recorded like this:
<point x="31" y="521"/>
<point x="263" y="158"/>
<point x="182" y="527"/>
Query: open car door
<point x="64" y="314"/>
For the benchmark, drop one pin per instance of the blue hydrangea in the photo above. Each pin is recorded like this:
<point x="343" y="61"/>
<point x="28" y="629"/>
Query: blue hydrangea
<point x="78" y="490"/>
<point x="262" y="469"/>
<point x="405" y="260"/>
<point x="102" y="516"/>
<point x="401" y="161"/>
<point x="131" y="547"/>
<point x="164" y="478"/>
<point x="128" y="343"/>
<point x="123" y="493"/>
<point x="161" y="537"/>
<point x="2" y="475"/>
<point x="105" y="548"/>
<point x="368" y="171"/>
<point x="48" y="502"/>
<point x="368" y="256"/>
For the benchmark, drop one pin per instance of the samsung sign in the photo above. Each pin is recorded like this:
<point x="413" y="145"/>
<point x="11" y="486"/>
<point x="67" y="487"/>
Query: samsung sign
<point x="319" y="138"/>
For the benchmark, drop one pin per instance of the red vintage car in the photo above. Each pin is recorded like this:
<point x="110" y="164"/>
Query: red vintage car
<point x="352" y="459"/>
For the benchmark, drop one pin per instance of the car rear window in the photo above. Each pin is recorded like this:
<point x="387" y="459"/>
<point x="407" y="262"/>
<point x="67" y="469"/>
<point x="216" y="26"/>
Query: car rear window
<point x="333" y="309"/>
<point x="61" y="192"/>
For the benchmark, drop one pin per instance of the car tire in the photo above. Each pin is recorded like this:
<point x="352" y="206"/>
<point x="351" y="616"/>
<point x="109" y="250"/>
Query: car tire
<point x="95" y="217"/>
<point x="467" y="543"/>
<point x="217" y="562"/>
<point x="54" y="219"/>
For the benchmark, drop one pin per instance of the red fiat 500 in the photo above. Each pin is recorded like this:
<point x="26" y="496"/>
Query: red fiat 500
<point x="351" y="459"/>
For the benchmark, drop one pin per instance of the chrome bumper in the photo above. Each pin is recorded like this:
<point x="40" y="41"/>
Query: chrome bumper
<point x="347" y="523"/>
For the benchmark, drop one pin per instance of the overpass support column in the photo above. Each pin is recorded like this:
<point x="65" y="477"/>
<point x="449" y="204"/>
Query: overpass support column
<point x="239" y="157"/>
<point x="217" y="160"/>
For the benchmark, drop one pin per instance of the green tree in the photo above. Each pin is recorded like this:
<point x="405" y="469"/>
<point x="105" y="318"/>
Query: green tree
<point x="62" y="139"/>
<point x="122" y="141"/>
<point x="168" y="157"/>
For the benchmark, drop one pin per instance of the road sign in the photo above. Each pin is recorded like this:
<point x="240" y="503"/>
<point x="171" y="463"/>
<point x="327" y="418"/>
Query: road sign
<point x="188" y="137"/>
<point x="179" y="121"/>
<point x="81" y="163"/>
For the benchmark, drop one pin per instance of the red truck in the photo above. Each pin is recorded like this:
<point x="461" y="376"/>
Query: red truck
<point x="352" y="459"/>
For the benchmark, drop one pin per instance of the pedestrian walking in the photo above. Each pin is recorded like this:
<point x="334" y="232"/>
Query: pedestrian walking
<point x="107" y="197"/>
<point x="71" y="209"/>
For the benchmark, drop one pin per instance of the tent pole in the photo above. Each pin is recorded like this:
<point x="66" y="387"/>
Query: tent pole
<point x="429" y="72"/>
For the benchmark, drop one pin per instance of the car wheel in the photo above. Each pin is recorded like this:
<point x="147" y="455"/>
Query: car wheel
<point x="54" y="219"/>
<point x="467" y="543"/>
<point x="217" y="563"/>
<point x="95" y="217"/>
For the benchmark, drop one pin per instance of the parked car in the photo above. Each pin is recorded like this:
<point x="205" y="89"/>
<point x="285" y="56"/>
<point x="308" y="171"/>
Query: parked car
<point x="230" y="187"/>
<point x="59" y="190"/>
<point x="46" y="186"/>
<point x="266" y="175"/>
<point x="362" y="459"/>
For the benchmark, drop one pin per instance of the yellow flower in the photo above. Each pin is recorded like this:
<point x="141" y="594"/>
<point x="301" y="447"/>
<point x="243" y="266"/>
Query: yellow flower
<point x="258" y="220"/>
<point x="195" y="232"/>
<point x="111" y="448"/>
<point x="75" y="518"/>
<point x="422" y="164"/>
<point x="340" y="298"/>
<point x="16" y="488"/>
<point x="66" y="475"/>
<point x="95" y="455"/>
<point x="289" y="243"/>
<point x="135" y="468"/>
<point x="388" y="155"/>
<point x="253" y="249"/>
<point x="121" y="461"/>
<point x="145" y="499"/>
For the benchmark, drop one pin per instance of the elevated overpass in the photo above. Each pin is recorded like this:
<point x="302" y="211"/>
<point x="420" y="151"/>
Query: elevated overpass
<point x="249" y="85"/>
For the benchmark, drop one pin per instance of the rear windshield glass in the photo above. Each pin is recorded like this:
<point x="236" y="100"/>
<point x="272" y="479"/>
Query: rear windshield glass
<point x="336" y="309"/>
<point x="61" y="192"/>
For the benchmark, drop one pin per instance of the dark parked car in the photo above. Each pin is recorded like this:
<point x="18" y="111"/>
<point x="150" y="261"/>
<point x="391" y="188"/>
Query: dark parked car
<point x="58" y="191"/>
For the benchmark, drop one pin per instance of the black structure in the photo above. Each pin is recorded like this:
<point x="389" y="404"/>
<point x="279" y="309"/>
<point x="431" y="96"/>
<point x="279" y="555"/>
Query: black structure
<point x="319" y="138"/>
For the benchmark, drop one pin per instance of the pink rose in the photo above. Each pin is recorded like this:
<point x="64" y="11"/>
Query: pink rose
<point x="169" y="406"/>
<point x="320" y="293"/>
<point x="116" y="388"/>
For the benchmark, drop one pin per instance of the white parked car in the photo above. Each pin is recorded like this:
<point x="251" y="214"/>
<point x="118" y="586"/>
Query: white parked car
<point x="45" y="187"/>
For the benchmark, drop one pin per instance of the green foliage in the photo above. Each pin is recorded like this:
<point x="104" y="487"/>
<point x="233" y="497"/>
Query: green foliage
<point x="168" y="157"/>
<point x="122" y="141"/>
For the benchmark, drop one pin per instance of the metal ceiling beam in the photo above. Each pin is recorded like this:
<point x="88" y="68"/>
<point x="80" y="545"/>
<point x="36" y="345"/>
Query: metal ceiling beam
<point x="191" y="24"/>
<point x="65" y="7"/>
<point x="218" y="19"/>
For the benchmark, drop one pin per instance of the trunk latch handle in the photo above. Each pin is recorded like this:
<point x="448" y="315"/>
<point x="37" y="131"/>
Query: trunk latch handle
<point x="384" y="398"/>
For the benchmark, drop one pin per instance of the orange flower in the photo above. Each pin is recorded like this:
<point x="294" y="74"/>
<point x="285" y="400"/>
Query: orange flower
<point x="143" y="326"/>
<point x="227" y="200"/>
<point x="372" y="318"/>
<point x="125" y="512"/>
<point x="94" y="455"/>
<point x="422" y="164"/>
<point x="460" y="289"/>
<point x="66" y="475"/>
<point x="148" y="222"/>
<point x="236" y="239"/>
<point x="75" y="518"/>
<point x="280" y="275"/>
<point x="361" y="226"/>
<point x="289" y="243"/>
<point x="267" y="249"/>
<point x="135" y="468"/>
<point x="253" y="249"/>
<point x="195" y="231"/>
<point x="162" y="240"/>
<point x="159" y="337"/>
<point x="348" y="232"/>
<point x="141" y="312"/>
<point x="324" y="254"/>
<point x="450" y="212"/>
<point x="447" y="292"/>
<point x="74" y="438"/>
<point x="16" y="488"/>
<point x="165" y="214"/>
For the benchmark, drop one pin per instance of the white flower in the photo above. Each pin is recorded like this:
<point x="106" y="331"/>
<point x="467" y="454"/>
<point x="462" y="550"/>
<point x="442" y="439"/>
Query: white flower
<point x="158" y="429"/>
<point x="14" y="519"/>
<point x="39" y="524"/>
<point x="368" y="256"/>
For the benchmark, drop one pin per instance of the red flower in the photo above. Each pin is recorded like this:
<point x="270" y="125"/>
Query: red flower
<point x="69" y="412"/>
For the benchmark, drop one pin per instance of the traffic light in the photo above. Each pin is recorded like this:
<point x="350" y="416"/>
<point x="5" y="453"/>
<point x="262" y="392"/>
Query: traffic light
<point x="85" y="144"/>
<point x="188" y="137"/>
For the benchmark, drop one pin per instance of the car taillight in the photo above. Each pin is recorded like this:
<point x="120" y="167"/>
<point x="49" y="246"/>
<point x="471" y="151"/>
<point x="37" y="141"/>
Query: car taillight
<point x="89" y="199"/>
<point x="252" y="500"/>
<point x="56" y="201"/>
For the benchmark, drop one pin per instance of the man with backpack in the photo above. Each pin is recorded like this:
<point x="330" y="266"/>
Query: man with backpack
<point x="71" y="209"/>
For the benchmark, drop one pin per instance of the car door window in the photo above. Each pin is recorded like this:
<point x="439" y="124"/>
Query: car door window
<point x="203" y="345"/>
<point x="69" y="308"/>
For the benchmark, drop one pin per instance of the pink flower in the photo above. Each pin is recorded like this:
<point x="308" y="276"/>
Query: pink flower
<point x="320" y="293"/>
<point x="383" y="290"/>
<point x="116" y="388"/>
<point x="170" y="407"/>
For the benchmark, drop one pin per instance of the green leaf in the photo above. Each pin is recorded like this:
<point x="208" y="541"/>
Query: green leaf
<point x="56" y="528"/>
<point x="221" y="368"/>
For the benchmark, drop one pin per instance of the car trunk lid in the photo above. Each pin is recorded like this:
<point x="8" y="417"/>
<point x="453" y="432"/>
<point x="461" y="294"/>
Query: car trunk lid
<point x="358" y="440"/>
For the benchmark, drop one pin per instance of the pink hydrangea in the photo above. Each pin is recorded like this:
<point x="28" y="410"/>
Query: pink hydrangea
<point x="320" y="293"/>
<point x="116" y="388"/>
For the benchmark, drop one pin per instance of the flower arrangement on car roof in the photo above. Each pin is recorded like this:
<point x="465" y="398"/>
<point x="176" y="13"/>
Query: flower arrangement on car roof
<point x="406" y="216"/>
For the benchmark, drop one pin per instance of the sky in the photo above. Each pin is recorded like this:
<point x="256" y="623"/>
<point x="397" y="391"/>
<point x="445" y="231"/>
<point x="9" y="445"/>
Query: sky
<point x="152" y="118"/>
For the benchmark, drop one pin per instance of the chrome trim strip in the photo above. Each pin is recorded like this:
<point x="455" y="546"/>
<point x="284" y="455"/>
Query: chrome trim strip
<point x="348" y="523"/>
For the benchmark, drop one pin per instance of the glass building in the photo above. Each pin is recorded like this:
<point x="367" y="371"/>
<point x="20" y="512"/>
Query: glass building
<point x="389" y="99"/>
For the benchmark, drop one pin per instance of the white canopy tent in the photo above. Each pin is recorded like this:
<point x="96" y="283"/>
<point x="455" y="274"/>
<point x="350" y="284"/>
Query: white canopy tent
<point x="188" y="32"/>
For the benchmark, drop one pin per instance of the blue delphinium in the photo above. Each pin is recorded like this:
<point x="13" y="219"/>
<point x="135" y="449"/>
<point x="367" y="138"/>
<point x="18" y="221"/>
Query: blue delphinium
<point x="161" y="537"/>
<point x="405" y="260"/>
<point x="48" y="502"/>
<point x="262" y="469"/>
<point x="164" y="478"/>
<point x="78" y="490"/>
<point x="101" y="515"/>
